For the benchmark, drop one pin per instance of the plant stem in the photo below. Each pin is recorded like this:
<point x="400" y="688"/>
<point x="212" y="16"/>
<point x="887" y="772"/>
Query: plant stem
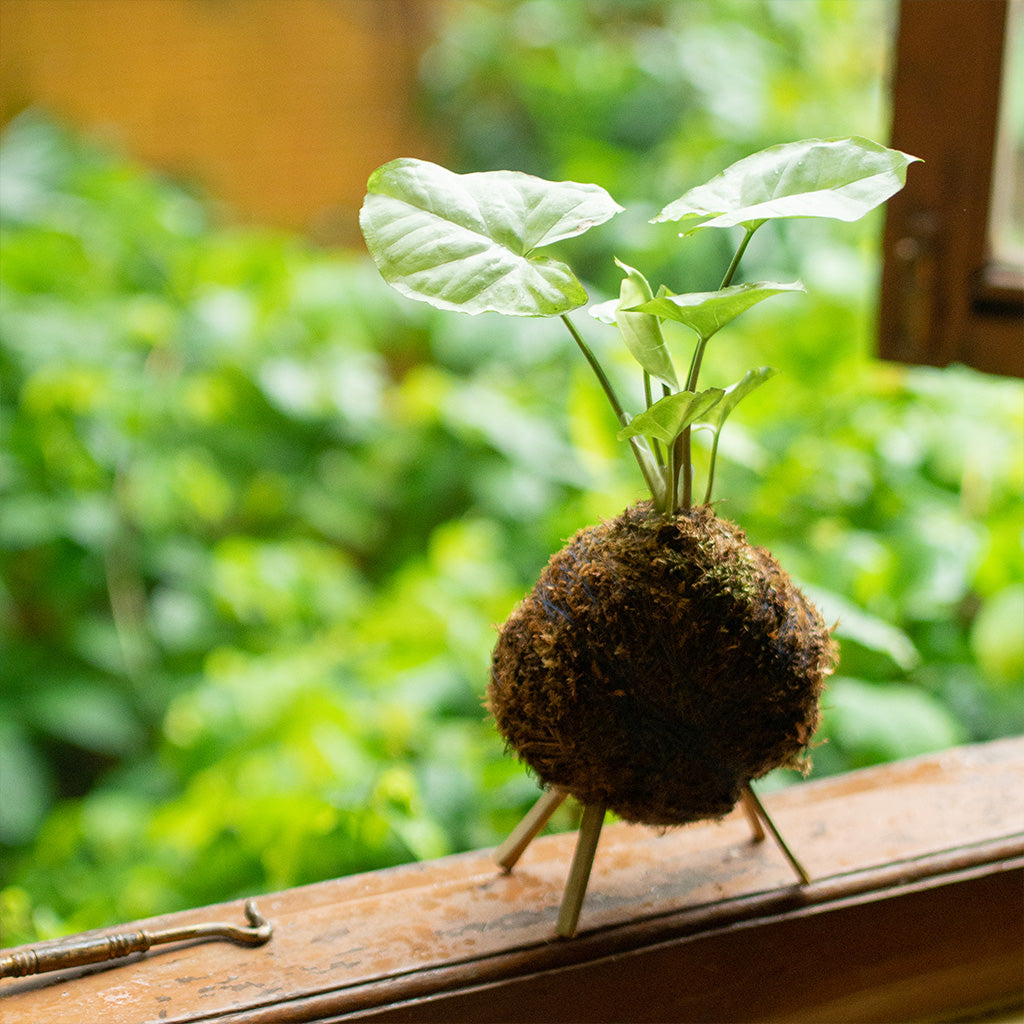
<point x="659" y="456"/>
<point x="672" y="478"/>
<point x="606" y="384"/>
<point x="684" y="453"/>
<point x="730" y="273"/>
<point x="684" y="472"/>
<point x="645" y="459"/>
<point x="698" y="358"/>
<point x="711" y="467"/>
<point x="684" y="458"/>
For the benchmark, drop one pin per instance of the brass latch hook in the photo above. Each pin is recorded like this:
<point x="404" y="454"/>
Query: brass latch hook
<point x="58" y="956"/>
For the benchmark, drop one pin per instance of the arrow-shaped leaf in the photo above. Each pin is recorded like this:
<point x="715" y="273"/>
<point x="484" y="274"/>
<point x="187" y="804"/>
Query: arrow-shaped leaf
<point x="708" y="312"/>
<point x="735" y="393"/>
<point x="671" y="415"/>
<point x="838" y="178"/>
<point x="465" y="241"/>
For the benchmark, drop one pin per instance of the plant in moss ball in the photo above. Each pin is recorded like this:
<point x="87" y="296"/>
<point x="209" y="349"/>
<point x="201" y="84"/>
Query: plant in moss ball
<point x="661" y="662"/>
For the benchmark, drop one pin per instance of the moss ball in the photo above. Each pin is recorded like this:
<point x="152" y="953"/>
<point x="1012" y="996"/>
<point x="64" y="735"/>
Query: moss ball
<point x="659" y="664"/>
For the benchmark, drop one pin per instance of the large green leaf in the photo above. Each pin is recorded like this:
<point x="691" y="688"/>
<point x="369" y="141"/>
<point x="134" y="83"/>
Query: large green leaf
<point x="838" y="178"/>
<point x="671" y="415"/>
<point x="465" y="241"/>
<point x="708" y="312"/>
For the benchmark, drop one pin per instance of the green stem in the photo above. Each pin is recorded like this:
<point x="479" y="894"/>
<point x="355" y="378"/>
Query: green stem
<point x="649" y="401"/>
<point x="711" y="467"/>
<point x="606" y="384"/>
<point x="671" y="480"/>
<point x="644" y="458"/>
<point x="684" y="452"/>
<point x="731" y="272"/>
<point x="659" y="452"/>
<point x="698" y="358"/>
<point x="685" y="471"/>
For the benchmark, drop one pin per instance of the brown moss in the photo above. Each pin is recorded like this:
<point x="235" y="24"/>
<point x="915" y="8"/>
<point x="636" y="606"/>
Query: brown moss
<point x="658" y="665"/>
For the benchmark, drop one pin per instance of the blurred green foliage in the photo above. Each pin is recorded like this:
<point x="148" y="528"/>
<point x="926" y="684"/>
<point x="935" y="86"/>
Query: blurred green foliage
<point x="259" y="515"/>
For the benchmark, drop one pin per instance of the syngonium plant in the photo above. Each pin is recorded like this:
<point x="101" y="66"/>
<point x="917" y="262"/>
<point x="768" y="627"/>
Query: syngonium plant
<point x="661" y="662"/>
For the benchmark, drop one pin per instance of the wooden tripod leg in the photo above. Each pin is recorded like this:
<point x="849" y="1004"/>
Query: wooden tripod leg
<point x="755" y="803"/>
<point x="579" y="873"/>
<point x="750" y="809"/>
<point x="523" y="834"/>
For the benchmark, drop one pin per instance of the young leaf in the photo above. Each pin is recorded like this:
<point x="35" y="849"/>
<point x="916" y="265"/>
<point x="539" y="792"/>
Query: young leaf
<point x="735" y="393"/>
<point x="838" y="178"/>
<point x="465" y="241"/>
<point x="641" y="332"/>
<point x="732" y="397"/>
<point x="606" y="312"/>
<point x="671" y="415"/>
<point x="708" y="312"/>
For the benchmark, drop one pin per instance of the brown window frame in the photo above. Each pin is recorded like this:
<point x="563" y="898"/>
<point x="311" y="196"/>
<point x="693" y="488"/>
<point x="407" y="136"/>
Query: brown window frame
<point x="943" y="298"/>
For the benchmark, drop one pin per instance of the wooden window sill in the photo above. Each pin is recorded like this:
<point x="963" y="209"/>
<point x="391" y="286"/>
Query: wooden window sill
<point x="916" y="912"/>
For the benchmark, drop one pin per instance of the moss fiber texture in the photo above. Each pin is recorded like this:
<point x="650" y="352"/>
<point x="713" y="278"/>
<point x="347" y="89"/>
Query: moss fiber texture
<point x="658" y="665"/>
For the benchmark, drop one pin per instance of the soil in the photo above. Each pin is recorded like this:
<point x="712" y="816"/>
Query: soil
<point x="660" y="664"/>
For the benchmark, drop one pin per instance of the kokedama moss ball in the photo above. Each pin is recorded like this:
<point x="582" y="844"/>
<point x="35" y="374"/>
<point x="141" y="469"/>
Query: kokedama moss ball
<point x="659" y="664"/>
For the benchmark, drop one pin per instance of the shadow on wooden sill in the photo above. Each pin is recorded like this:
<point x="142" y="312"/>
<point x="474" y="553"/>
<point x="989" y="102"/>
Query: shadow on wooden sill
<point x="916" y="913"/>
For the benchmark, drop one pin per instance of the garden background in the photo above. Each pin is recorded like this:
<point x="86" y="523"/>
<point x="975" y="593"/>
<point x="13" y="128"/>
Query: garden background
<point x="260" y="515"/>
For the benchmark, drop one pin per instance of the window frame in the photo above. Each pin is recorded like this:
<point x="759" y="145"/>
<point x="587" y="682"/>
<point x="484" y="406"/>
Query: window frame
<point x="943" y="298"/>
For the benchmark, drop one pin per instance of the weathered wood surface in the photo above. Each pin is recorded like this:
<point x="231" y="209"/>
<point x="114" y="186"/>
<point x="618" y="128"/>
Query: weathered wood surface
<point x="915" y="911"/>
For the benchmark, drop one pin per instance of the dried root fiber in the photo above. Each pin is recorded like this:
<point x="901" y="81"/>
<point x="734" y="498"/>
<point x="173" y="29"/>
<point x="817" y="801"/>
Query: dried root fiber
<point x="658" y="665"/>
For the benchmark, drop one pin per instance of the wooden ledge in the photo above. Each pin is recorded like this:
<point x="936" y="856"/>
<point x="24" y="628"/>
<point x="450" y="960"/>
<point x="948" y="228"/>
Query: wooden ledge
<point x="916" y="912"/>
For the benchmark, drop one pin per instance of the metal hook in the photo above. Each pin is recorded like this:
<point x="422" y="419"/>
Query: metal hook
<point x="56" y="957"/>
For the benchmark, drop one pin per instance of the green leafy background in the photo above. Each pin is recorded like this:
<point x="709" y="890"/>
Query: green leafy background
<point x="260" y="515"/>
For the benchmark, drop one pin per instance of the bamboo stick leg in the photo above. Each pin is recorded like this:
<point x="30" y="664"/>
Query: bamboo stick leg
<point x="750" y="809"/>
<point x="579" y="873"/>
<point x="755" y="801"/>
<point x="523" y="834"/>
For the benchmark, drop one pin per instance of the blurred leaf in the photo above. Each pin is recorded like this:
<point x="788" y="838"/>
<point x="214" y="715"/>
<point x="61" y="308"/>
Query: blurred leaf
<point x="838" y="178"/>
<point x="871" y="632"/>
<point x="91" y="715"/>
<point x="997" y="636"/>
<point x="25" y="786"/>
<point x="466" y="242"/>
<point x="875" y="722"/>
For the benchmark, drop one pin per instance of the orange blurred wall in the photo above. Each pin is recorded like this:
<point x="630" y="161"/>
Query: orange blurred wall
<point x="280" y="108"/>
